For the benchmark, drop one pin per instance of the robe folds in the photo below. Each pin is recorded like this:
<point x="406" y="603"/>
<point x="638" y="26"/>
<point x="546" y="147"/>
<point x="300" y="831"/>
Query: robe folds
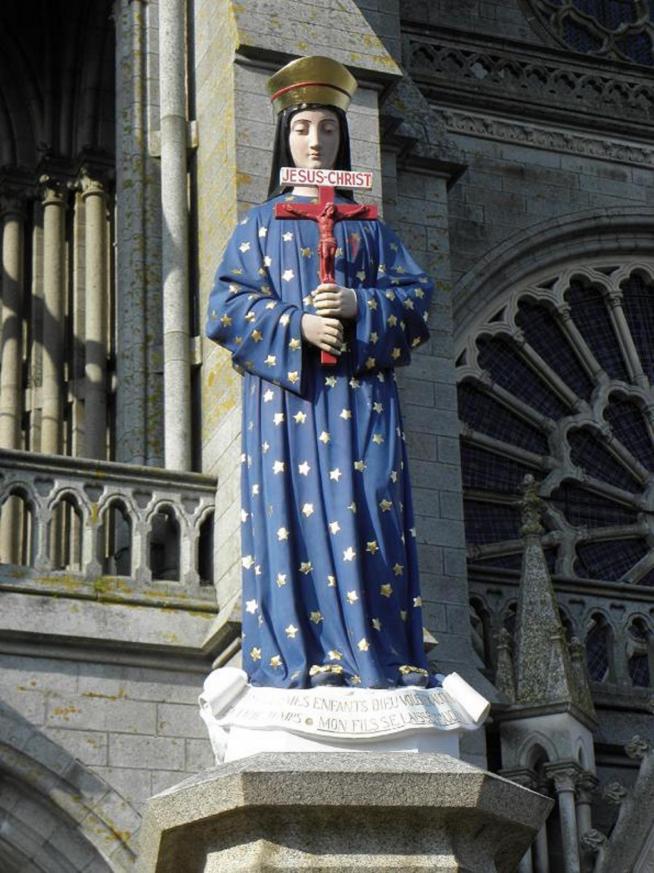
<point x="329" y="564"/>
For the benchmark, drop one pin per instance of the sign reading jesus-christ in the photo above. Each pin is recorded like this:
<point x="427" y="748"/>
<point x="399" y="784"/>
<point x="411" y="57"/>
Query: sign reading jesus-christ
<point x="326" y="213"/>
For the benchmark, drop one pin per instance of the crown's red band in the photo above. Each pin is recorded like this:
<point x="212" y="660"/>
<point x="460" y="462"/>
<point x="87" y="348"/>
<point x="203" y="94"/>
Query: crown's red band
<point x="307" y="84"/>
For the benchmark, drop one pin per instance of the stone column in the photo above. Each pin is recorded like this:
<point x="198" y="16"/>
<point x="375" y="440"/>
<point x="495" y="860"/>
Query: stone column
<point x="54" y="263"/>
<point x="174" y="202"/>
<point x="11" y="388"/>
<point x="11" y="403"/>
<point x="541" y="852"/>
<point x="95" y="279"/>
<point x="564" y="777"/>
<point x="586" y="783"/>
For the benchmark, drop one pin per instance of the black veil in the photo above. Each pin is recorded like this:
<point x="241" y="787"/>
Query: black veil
<point x="282" y="153"/>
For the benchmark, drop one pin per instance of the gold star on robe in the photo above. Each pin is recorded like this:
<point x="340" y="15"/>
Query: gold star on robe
<point x="293" y="377"/>
<point x="268" y="395"/>
<point x="334" y="527"/>
<point x="391" y="321"/>
<point x="305" y="252"/>
<point x="346" y="414"/>
<point x="371" y="363"/>
<point x="284" y="319"/>
<point x="307" y="509"/>
<point x="396" y="353"/>
<point x="295" y="344"/>
<point x="376" y="624"/>
<point x="291" y="631"/>
<point x="324" y="437"/>
<point x="278" y="418"/>
<point x="354" y="383"/>
<point x="374" y="336"/>
<point x="265" y="447"/>
<point x="417" y="601"/>
<point x="335" y="475"/>
<point x="282" y="534"/>
<point x="247" y="562"/>
<point x="300" y="417"/>
<point x="225" y="321"/>
<point x="278" y="467"/>
<point x="330" y="381"/>
<point x="360" y="466"/>
<point x="398" y="569"/>
<point x="281" y="580"/>
<point x="331" y="581"/>
<point x="276" y="661"/>
<point x="349" y="554"/>
<point x="372" y="547"/>
<point x="244" y="247"/>
<point x="250" y="317"/>
<point x="385" y="505"/>
<point x="251" y="606"/>
<point x="270" y="361"/>
<point x="334" y="655"/>
<point x="352" y="596"/>
<point x="257" y="336"/>
<point x="378" y="439"/>
<point x="304" y="468"/>
<point x="316" y="616"/>
<point x="255" y="653"/>
<point x="363" y="645"/>
<point x="386" y="590"/>
<point x="306" y="567"/>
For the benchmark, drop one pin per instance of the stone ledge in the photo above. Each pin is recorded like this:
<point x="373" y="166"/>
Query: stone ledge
<point x="341" y="812"/>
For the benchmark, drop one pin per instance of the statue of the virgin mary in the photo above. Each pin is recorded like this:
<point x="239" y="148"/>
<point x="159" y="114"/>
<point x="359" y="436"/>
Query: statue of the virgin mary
<point x="330" y="573"/>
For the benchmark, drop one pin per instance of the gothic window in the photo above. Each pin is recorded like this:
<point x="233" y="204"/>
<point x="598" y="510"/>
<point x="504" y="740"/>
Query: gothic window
<point x="638" y="646"/>
<point x="598" y="646"/>
<point x="619" y="29"/>
<point x="558" y="384"/>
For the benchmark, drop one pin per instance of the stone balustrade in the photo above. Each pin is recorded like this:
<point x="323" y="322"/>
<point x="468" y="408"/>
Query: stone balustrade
<point x="89" y="518"/>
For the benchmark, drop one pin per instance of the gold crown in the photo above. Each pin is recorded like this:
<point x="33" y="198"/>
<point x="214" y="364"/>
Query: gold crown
<point x="312" y="80"/>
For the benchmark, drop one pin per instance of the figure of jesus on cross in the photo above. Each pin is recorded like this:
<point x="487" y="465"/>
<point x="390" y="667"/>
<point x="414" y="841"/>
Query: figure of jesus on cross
<point x="326" y="213"/>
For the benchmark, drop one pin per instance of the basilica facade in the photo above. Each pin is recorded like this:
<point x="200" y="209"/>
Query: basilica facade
<point x="511" y="149"/>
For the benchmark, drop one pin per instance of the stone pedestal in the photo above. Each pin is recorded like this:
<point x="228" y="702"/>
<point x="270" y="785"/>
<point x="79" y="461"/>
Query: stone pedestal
<point x="352" y="811"/>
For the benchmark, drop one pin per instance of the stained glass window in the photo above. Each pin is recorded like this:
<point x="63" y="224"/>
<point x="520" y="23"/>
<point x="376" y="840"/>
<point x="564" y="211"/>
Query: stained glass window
<point x="620" y="29"/>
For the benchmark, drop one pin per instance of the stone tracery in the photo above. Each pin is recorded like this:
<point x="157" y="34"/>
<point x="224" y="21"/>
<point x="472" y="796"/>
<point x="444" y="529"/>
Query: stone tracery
<point x="555" y="383"/>
<point x="620" y="29"/>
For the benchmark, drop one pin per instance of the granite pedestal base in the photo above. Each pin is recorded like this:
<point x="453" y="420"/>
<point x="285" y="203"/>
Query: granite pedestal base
<point x="347" y="812"/>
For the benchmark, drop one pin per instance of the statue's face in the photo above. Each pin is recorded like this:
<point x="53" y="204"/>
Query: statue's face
<point x="314" y="139"/>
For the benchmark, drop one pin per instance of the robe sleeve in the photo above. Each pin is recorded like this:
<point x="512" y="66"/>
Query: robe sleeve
<point x="392" y="313"/>
<point x="247" y="317"/>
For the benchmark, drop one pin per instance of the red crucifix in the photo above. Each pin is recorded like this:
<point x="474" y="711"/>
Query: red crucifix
<point x="327" y="213"/>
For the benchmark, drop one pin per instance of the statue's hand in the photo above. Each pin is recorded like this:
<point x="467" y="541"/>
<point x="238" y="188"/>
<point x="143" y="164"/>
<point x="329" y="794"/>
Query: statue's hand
<point x="325" y="334"/>
<point x="335" y="301"/>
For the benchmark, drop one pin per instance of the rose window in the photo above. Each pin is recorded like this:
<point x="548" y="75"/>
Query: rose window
<point x="621" y="29"/>
<point x="556" y="382"/>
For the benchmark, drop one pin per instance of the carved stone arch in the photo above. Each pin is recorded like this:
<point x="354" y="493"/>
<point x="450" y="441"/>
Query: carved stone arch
<point x="547" y="246"/>
<point x="533" y="747"/>
<point x="88" y="825"/>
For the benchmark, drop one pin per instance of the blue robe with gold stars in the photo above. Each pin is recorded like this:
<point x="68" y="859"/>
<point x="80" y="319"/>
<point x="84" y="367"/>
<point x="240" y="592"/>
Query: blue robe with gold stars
<point x="330" y="572"/>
